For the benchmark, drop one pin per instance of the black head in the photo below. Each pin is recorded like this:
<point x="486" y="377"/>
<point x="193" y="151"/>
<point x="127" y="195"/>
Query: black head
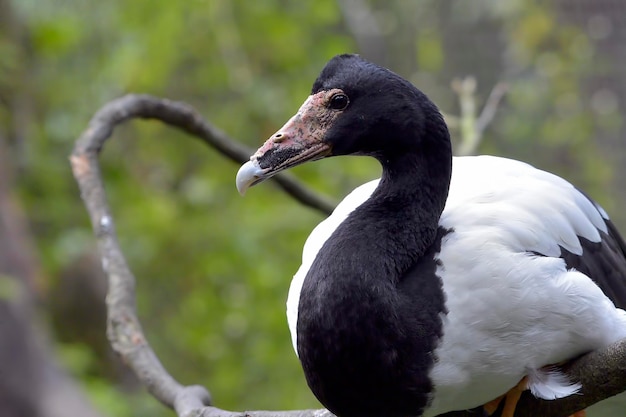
<point x="355" y="108"/>
<point x="386" y="114"/>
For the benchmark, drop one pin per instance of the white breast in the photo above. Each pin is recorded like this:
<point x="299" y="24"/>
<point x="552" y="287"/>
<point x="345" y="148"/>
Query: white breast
<point x="314" y="243"/>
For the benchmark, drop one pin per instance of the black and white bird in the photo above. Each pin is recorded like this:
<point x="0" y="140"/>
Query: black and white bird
<point x="444" y="283"/>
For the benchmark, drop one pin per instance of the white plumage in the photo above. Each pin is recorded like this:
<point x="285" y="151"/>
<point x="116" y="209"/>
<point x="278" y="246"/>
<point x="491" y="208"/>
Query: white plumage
<point x="503" y="214"/>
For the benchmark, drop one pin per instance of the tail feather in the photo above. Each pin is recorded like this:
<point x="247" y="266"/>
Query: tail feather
<point x="549" y="383"/>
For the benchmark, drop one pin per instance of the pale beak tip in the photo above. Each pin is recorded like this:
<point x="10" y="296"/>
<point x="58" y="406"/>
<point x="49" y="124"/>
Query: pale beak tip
<point x="249" y="174"/>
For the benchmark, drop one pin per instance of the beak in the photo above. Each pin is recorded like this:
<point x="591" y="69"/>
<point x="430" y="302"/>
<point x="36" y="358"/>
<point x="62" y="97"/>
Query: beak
<point x="300" y="140"/>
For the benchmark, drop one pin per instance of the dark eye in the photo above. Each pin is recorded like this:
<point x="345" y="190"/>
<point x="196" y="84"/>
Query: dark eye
<point x="338" y="102"/>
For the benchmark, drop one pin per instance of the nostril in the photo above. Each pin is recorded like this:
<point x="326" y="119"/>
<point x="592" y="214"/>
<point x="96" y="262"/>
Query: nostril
<point x="278" y="137"/>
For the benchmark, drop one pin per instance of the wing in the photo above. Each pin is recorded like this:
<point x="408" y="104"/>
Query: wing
<point x="604" y="262"/>
<point x="538" y="212"/>
<point x="515" y="301"/>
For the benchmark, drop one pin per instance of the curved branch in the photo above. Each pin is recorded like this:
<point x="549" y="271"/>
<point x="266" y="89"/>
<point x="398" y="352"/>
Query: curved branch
<point x="123" y="327"/>
<point x="602" y="373"/>
<point x="186" y="118"/>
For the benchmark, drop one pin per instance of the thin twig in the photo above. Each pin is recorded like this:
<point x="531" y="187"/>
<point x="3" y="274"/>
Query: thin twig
<point x="471" y="128"/>
<point x="491" y="105"/>
<point x="186" y="118"/>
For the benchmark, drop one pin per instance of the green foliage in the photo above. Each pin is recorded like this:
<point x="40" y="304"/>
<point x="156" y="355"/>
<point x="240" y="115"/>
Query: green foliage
<point x="214" y="269"/>
<point x="9" y="290"/>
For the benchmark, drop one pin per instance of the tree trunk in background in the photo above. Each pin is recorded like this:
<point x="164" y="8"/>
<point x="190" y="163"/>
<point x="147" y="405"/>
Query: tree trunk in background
<point x="31" y="382"/>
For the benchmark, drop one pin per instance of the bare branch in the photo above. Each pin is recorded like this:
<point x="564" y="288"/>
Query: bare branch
<point x="602" y="373"/>
<point x="186" y="118"/>
<point x="216" y="412"/>
<point x="471" y="127"/>
<point x="123" y="329"/>
<point x="491" y="105"/>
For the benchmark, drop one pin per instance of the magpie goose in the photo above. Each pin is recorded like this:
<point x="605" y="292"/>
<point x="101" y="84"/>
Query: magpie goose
<point x="444" y="283"/>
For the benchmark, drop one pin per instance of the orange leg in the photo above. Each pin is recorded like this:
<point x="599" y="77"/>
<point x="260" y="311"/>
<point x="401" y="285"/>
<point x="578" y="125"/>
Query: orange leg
<point x="492" y="405"/>
<point x="511" y="399"/>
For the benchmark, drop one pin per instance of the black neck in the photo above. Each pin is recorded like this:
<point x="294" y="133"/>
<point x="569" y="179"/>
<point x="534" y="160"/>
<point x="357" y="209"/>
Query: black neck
<point x="370" y="307"/>
<point x="407" y="205"/>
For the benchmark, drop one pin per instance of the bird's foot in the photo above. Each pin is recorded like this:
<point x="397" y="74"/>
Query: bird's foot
<point x="492" y="406"/>
<point x="510" y="400"/>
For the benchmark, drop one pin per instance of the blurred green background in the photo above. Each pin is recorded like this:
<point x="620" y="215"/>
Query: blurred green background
<point x="214" y="269"/>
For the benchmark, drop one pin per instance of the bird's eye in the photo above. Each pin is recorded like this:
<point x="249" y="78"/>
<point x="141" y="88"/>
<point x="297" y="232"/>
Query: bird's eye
<point x="338" y="102"/>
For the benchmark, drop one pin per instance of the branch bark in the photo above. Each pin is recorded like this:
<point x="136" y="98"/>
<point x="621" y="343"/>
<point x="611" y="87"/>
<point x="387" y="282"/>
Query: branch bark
<point x="186" y="118"/>
<point x="602" y="373"/>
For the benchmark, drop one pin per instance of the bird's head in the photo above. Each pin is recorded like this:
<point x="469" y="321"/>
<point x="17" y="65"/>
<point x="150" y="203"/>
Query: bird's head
<point x="355" y="108"/>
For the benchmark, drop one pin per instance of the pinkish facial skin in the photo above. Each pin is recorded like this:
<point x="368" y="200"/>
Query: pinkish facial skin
<point x="301" y="139"/>
<point x="307" y="128"/>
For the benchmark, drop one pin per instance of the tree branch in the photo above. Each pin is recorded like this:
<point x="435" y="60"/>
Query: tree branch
<point x="123" y="327"/>
<point x="471" y="127"/>
<point x="186" y="118"/>
<point x="602" y="373"/>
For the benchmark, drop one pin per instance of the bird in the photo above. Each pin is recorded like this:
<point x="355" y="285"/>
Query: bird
<point x="449" y="280"/>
